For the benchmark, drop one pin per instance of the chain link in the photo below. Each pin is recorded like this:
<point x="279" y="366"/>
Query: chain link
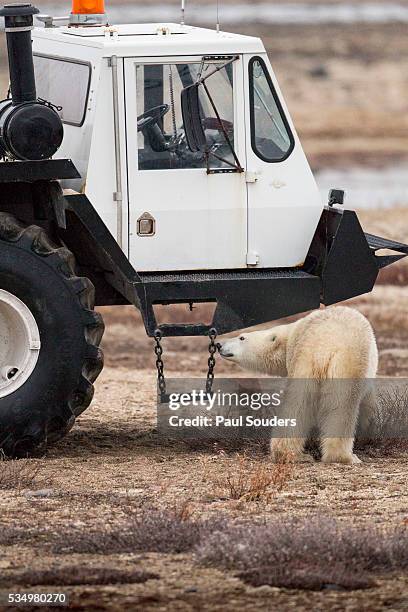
<point x="158" y="349"/>
<point x="212" y="349"/>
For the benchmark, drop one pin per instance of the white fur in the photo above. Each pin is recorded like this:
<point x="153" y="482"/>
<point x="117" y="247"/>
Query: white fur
<point x="336" y="343"/>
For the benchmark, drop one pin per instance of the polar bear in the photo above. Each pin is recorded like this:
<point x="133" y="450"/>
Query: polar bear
<point x="335" y="343"/>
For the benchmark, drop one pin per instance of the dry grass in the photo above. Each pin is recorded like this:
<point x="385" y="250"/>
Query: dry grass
<point x="253" y="481"/>
<point x="19" y="475"/>
<point x="152" y="531"/>
<point x="306" y="554"/>
<point x="317" y="553"/>
<point x="391" y="419"/>
<point x="10" y="536"/>
<point x="74" y="575"/>
<point x="308" y="579"/>
<point x="388" y="431"/>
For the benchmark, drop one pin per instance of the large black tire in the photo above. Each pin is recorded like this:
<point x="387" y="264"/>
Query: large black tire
<point x="60" y="388"/>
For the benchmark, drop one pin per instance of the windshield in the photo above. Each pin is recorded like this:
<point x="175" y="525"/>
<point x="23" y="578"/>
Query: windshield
<point x="161" y="139"/>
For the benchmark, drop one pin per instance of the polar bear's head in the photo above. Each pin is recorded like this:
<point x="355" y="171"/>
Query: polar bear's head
<point x="260" y="351"/>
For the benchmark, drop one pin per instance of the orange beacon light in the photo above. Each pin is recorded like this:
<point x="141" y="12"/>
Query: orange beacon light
<point x="88" y="12"/>
<point x="88" y="7"/>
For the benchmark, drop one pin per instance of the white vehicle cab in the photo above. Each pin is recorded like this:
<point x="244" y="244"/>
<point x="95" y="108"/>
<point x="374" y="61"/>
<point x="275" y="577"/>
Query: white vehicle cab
<point x="149" y="164"/>
<point x="239" y="214"/>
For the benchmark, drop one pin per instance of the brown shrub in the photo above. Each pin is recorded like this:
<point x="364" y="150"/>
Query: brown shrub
<point x="74" y="575"/>
<point x="309" y="578"/>
<point x="10" y="536"/>
<point x="249" y="481"/>
<point x="314" y="544"/>
<point x="152" y="531"/>
<point x="313" y="554"/>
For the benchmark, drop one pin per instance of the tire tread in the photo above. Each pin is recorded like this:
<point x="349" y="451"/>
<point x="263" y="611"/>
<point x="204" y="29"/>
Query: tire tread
<point x="36" y="434"/>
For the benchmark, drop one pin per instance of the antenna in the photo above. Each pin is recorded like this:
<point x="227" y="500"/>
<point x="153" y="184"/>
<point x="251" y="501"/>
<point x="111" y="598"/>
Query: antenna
<point x="218" y="16"/>
<point x="183" y="12"/>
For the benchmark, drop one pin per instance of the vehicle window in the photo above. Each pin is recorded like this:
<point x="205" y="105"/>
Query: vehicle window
<point x="65" y="84"/>
<point x="272" y="140"/>
<point x="161" y="139"/>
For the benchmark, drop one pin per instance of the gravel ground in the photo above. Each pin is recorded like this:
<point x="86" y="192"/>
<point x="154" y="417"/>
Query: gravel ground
<point x="114" y="460"/>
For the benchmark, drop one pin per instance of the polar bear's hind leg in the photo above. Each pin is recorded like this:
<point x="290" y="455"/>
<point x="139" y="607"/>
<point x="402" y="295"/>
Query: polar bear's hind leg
<point x="338" y="422"/>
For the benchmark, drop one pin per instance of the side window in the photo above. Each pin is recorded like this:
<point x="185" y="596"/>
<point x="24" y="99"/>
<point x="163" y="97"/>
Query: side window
<point x="161" y="139"/>
<point x="272" y="140"/>
<point x="65" y="84"/>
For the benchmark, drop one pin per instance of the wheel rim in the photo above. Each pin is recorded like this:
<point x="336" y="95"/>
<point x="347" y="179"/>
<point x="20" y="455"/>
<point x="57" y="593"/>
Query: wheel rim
<point x="19" y="343"/>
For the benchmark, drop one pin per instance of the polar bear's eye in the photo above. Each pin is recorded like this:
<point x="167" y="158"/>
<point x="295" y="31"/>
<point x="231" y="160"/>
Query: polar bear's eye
<point x="242" y="338"/>
<point x="273" y="338"/>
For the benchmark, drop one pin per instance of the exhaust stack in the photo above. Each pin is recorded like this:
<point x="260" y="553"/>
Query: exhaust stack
<point x="30" y="129"/>
<point x="18" y="19"/>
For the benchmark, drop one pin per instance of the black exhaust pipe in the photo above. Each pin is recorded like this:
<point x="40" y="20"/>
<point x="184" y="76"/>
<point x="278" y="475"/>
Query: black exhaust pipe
<point x="18" y="20"/>
<point x="30" y="129"/>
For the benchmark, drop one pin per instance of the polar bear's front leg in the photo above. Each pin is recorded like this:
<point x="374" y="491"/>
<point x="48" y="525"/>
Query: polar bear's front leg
<point x="296" y="408"/>
<point x="284" y="449"/>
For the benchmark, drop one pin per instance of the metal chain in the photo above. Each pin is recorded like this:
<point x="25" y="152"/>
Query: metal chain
<point x="158" y="349"/>
<point x="212" y="349"/>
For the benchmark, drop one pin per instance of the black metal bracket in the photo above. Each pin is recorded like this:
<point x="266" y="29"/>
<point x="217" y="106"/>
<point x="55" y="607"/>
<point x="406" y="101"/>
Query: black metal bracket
<point x="32" y="171"/>
<point x="244" y="298"/>
<point x="344" y="257"/>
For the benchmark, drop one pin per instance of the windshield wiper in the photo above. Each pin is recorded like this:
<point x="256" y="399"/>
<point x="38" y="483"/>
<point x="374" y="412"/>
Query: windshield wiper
<point x="193" y="123"/>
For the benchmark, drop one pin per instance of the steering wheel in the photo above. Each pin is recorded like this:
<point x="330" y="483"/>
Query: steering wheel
<point x="152" y="116"/>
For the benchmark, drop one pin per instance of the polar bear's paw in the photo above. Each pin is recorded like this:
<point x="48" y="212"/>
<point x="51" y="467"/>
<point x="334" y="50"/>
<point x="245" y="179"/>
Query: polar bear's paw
<point x="289" y="451"/>
<point x="294" y="458"/>
<point x="346" y="459"/>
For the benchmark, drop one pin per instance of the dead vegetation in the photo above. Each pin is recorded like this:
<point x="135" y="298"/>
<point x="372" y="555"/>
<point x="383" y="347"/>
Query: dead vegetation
<point x="11" y="536"/>
<point x="307" y="578"/>
<point x="254" y="481"/>
<point x="75" y="575"/>
<point x="306" y="554"/>
<point x="312" y="554"/>
<point x="18" y="475"/>
<point x="388" y="432"/>
<point x="153" y="531"/>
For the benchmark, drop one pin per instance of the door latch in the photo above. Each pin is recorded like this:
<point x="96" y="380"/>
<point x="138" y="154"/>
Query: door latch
<point x="146" y="225"/>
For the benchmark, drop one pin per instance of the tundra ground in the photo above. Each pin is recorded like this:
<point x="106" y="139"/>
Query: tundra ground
<point x="65" y="517"/>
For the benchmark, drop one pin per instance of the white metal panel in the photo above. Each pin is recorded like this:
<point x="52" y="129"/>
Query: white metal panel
<point x="284" y="203"/>
<point x="201" y="219"/>
<point x="101" y="176"/>
<point x="197" y="41"/>
<point x="77" y="140"/>
<point x="134" y="29"/>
